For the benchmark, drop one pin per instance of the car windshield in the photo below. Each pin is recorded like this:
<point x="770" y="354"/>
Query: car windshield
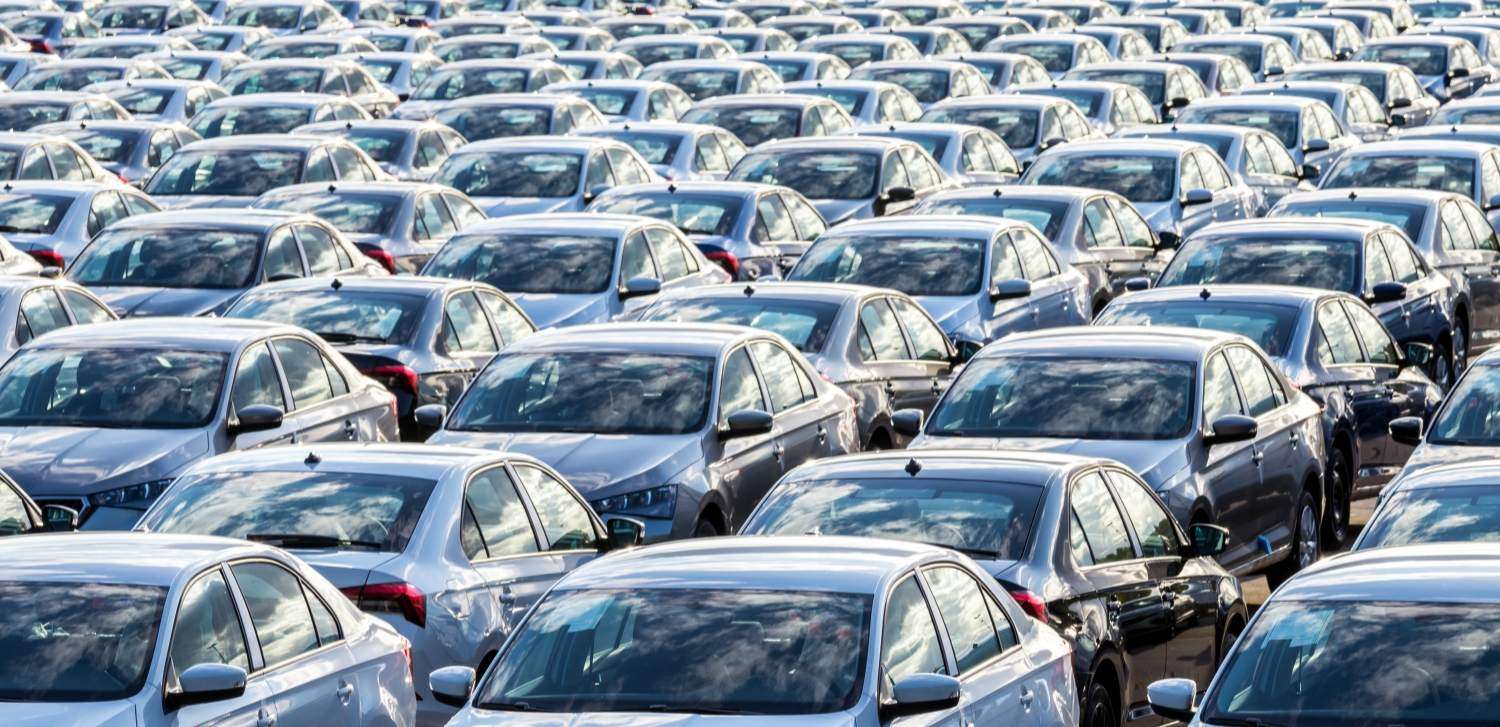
<point x="350" y="212"/>
<point x="39" y="25"/>
<point x="68" y="78"/>
<point x="1055" y="57"/>
<point x="1439" y="665"/>
<point x="1325" y="264"/>
<point x="381" y="71"/>
<point x="694" y="214"/>
<point x="451" y="84"/>
<point x="1151" y="83"/>
<point x="1269" y="325"/>
<point x="1423" y="60"/>
<point x="851" y="101"/>
<point x="489" y="122"/>
<point x="340" y="510"/>
<point x="1086" y="100"/>
<point x="274" y="17"/>
<point x="816" y="174"/>
<point x="588" y="392"/>
<point x="913" y="265"/>
<point x="579" y="67"/>
<point x="610" y="101"/>
<point x="752" y="124"/>
<point x="702" y="83"/>
<point x="339" y="316"/>
<point x="1372" y="80"/>
<point x="927" y="86"/>
<point x="169" y="257"/>
<point x="512" y="174"/>
<point x="522" y="263"/>
<point x="1409" y="217"/>
<point x="789" y="70"/>
<point x="1281" y="124"/>
<point x="934" y="144"/>
<point x="804" y="323"/>
<point x="1456" y="514"/>
<point x="299" y="50"/>
<point x="273" y="80"/>
<point x="231" y="120"/>
<point x="1136" y="178"/>
<point x="1247" y="52"/>
<point x="209" y="41"/>
<point x="1018" y="127"/>
<point x="116" y="388"/>
<point x="1066" y="397"/>
<point x="188" y="69"/>
<point x="131" y="17"/>
<point x="76" y="641"/>
<point x="1220" y="143"/>
<point x="36" y="214"/>
<point x="1045" y="216"/>
<point x="23" y="116"/>
<point x="1472" y="415"/>
<point x="234" y="172"/>
<point x="1446" y="174"/>
<point x="656" y="52"/>
<point x="655" y="148"/>
<point x="144" y="100"/>
<point x="795" y="652"/>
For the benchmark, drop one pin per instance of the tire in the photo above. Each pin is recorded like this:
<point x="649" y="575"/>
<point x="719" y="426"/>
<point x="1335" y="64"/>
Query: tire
<point x="1304" y="543"/>
<point x="1442" y="367"/>
<point x="1098" y="708"/>
<point x="706" y="529"/>
<point x="1460" y="351"/>
<point x="1226" y="642"/>
<point x="1336" y="519"/>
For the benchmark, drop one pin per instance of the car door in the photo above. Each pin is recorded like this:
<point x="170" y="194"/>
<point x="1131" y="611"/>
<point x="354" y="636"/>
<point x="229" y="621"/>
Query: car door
<point x="432" y="224"/>
<point x="1273" y="175"/>
<point x="322" y="410"/>
<point x="1482" y="271"/>
<point x="1003" y="317"/>
<point x="1052" y="296"/>
<point x="40" y="312"/>
<point x="1390" y="394"/>
<point x="801" y="432"/>
<point x="567" y="527"/>
<point x="1194" y="216"/>
<point x="467" y="338"/>
<point x="1278" y="440"/>
<point x="672" y="261"/>
<point x="635" y="263"/>
<point x="1338" y="350"/>
<point x="308" y="669"/>
<point x="1231" y="470"/>
<point x="992" y="668"/>
<point x="510" y="322"/>
<point x="1394" y="314"/>
<point x="746" y="466"/>
<point x="901" y="377"/>
<point x="283" y="257"/>
<point x="257" y="381"/>
<point x="497" y="535"/>
<point x="208" y="629"/>
<point x="909" y="644"/>
<point x="929" y="346"/>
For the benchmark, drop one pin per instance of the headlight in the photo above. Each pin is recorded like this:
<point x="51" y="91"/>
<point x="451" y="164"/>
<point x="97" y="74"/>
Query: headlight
<point x="136" y="497"/>
<point x="658" y="501"/>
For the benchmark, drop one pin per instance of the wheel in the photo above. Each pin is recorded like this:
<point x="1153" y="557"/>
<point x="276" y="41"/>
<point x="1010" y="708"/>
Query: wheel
<point x="1460" y="351"/>
<point x="1098" y="708"/>
<point x="706" y="529"/>
<point x="1336" y="523"/>
<point x="1442" y="367"/>
<point x="1304" y="543"/>
<point x="1231" y="634"/>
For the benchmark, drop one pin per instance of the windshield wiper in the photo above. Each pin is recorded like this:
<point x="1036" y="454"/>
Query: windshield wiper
<point x="508" y="706"/>
<point x="696" y="709"/>
<point x="971" y="552"/>
<point x="308" y="540"/>
<point x="1241" y="722"/>
<point x="336" y="337"/>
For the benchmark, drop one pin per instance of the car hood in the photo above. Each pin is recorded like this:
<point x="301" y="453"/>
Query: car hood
<point x="131" y="301"/>
<point x="477" y="717"/>
<point x="507" y="206"/>
<point x="417" y="110"/>
<point x="1154" y="461"/>
<point x="1432" y="455"/>
<point x="68" y="461"/>
<point x="47" y="714"/>
<point x="599" y="465"/>
<point x="841" y="210"/>
<point x="198" y="201"/>
<point x="949" y="311"/>
<point x="1158" y="214"/>
<point x="550" y="310"/>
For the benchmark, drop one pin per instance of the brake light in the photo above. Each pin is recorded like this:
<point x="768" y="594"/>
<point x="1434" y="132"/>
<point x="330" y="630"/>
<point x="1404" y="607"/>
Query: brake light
<point x="726" y="260"/>
<point x="403" y="598"/>
<point x="47" y="257"/>
<point x="394" y="376"/>
<point x="41" y="45"/>
<point x="385" y="258"/>
<point x="1031" y="603"/>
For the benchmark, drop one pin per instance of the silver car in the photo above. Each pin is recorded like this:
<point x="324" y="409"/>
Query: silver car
<point x="202" y="65"/>
<point x="271" y="113"/>
<point x="538" y="174"/>
<point x="1254" y="155"/>
<point x="407" y="150"/>
<point x="53" y="221"/>
<point x="678" y="151"/>
<point x="131" y="629"/>
<point x="132" y="150"/>
<point x="160" y="99"/>
<point x="32" y="306"/>
<point x="448" y="546"/>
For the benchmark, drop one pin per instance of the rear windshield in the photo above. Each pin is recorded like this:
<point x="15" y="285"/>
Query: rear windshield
<point x="1270" y="326"/>
<point x="76" y="642"/>
<point x="339" y="317"/>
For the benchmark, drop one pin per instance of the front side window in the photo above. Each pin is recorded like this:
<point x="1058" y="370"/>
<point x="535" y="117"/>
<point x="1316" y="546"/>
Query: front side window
<point x="305" y="372"/>
<point x="1153" y="526"/>
<point x="1094" y="511"/>
<point x="465" y="328"/>
<point x="41" y="312"/>
<point x="1379" y="348"/>
<point x="1253" y="380"/>
<point x="494" y="521"/>
<point x="256" y="382"/>
<point x="880" y="334"/>
<point x="908" y="639"/>
<point x="966" y="614"/>
<point x="1220" y="397"/>
<point x="739" y="389"/>
<point x="565" y="520"/>
<point x="278" y="611"/>
<point x="780" y="373"/>
<point x="208" y="629"/>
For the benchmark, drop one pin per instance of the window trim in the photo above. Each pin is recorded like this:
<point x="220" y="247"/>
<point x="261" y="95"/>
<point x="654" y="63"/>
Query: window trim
<point x="723" y="365"/>
<point x="531" y="518"/>
<point x="240" y="602"/>
<point x="286" y="394"/>
<point x="323" y="358"/>
<point x="943" y="635"/>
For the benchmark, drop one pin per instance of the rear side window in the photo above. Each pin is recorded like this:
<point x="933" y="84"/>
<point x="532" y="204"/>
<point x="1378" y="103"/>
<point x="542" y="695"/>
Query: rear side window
<point x="494" y="522"/>
<point x="1103" y="528"/>
<point x="278" y="610"/>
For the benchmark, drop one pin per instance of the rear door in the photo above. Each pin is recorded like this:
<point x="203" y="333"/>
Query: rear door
<point x="208" y="630"/>
<point x="1426" y="304"/>
<point x="800" y="430"/>
<point x="1482" y="268"/>
<point x="1389" y="394"/>
<point x="496" y="533"/>
<point x="885" y="352"/>
<point x="467" y="337"/>
<point x="322" y="408"/>
<point x="1339" y="351"/>
<point x="991" y="666"/>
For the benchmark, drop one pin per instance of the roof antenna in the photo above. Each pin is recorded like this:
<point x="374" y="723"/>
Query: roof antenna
<point x="1204" y="294"/>
<point x="997" y="193"/>
<point x="333" y="188"/>
<point x="1353" y="195"/>
<point x="336" y="284"/>
<point x="672" y="188"/>
<point x="312" y="459"/>
<point x="749" y="291"/>
<point x="913" y="467"/>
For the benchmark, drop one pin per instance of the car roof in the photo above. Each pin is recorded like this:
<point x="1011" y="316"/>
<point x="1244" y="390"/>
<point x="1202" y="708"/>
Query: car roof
<point x="573" y="144"/>
<point x="223" y="335"/>
<point x="1135" y="145"/>
<point x="242" y="219"/>
<point x="968" y="226"/>
<point x="1000" y="101"/>
<point x="276" y="100"/>
<point x="151" y="559"/>
<point x="839" y="293"/>
<point x="1047" y="192"/>
<point x="1011" y="466"/>
<point x="665" y="337"/>
<point x="399" y="284"/>
<point x="571" y="223"/>
<point x="1269" y="102"/>
<point x="763" y="99"/>
<point x="1467" y="572"/>
<point x="423" y="461"/>
<point x="1286" y="295"/>
<point x="1376" y="194"/>
<point x="1421" y="147"/>
<point x="1224" y="129"/>
<point x="1155" y="342"/>
<point x="285" y="142"/>
<point x="1323" y="228"/>
<point x="846" y="143"/>
<point x="392" y="187"/>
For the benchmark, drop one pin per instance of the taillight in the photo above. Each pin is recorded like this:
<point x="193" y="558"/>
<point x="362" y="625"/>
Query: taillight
<point x="41" y="45"/>
<point x="1031" y="603"/>
<point x="726" y="260"/>
<point x="394" y="376"/>
<point x="385" y="258"/>
<point x="47" y="257"/>
<point x="402" y="598"/>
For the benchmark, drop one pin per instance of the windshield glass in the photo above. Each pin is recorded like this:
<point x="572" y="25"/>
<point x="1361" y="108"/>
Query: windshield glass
<point x="76" y="642"/>
<point x="1018" y="127"/>
<point x="855" y="54"/>
<point x="298" y="50"/>
<point x="383" y="145"/>
<point x="231" y="120"/>
<point x="1326" y="264"/>
<point x="789" y="70"/>
<point x="656" y="52"/>
<point x="1055" y="57"/>
<point x="1292" y="667"/>
<point x="273" y="80"/>
<point x="478" y="123"/>
<point x="1409" y="217"/>
<point x="1068" y="398"/>
<point x="275" y="17"/>
<point x="585" y="392"/>
<point x="448" y="85"/>
<point x="23" y="116"/>
<point x="237" y="172"/>
<point x="796" y="652"/>
<point x="131" y="17"/>
<point x="1269" y="325"/>
<point x="1423" y="60"/>
<point x="381" y="71"/>
<point x="208" y="41"/>
<point x="804" y="323"/>
<point x="1447" y="174"/>
<point x="555" y="264"/>
<point x="37" y="214"/>
<point x="1472" y="415"/>
<point x="1372" y="80"/>
<point x="1136" y="178"/>
<point x="512" y="174"/>
<point x="296" y="509"/>
<point x="1151" y="83"/>
<point x="1220" y="143"/>
<point x="1281" y="124"/>
<point x="169" y="257"/>
<point x="912" y="265"/>
<point x="701" y="83"/>
<point x="752" y="124"/>
<point x="851" y="101"/>
<point x="656" y="148"/>
<point x="695" y="215"/>
<point x="610" y="101"/>
<point x="338" y="316"/>
<point x="1045" y="216"/>
<point x="144" y="100"/>
<point x="1481" y="115"/>
<point x="816" y="174"/>
<point x="126" y="388"/>
<point x="927" y="86"/>
<point x="1462" y="513"/>
<point x="349" y="212"/>
<point x="988" y="519"/>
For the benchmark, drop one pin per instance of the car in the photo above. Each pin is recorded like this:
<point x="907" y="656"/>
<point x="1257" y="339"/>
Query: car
<point x="1362" y="113"/>
<point x="16" y="64"/>
<point x="1057" y="52"/>
<point x="1332" y="347"/>
<point x="1052" y="530"/>
<point x="238" y="630"/>
<point x="311" y="45"/>
<point x="72" y="74"/>
<point x="33" y="306"/>
<point x="22" y="111"/>
<point x="228" y="38"/>
<point x="1098" y="233"/>
<point x="703" y="79"/>
<point x="867" y="102"/>
<point x="52" y="221"/>
<point x="202" y="65"/>
<point x="406" y="150"/>
<point x="399" y="72"/>
<point x="1004" y="70"/>
<point x="981" y="278"/>
<point x="1154" y="174"/>
<point x="463" y="79"/>
<point x="754" y="40"/>
<point x="857" y="49"/>
<point x="1308" y="128"/>
<point x="653" y="49"/>
<point x="567" y="269"/>
<point x="1479" y="111"/>
<point x="1471" y="169"/>
<point x="622" y="100"/>
<point x="488" y="530"/>
<point x="634" y="26"/>
<point x="1461" y="431"/>
<point x="598" y="64"/>
<point x="131" y="150"/>
<point x="1168" y="85"/>
<point x="1446" y="66"/>
<point x="643" y="399"/>
<point x="487" y="46"/>
<point x="1267" y="56"/>
<point x="1175" y="412"/>
<point x="1197" y="21"/>
<point x="148" y="17"/>
<point x="978" y="30"/>
<point x="167" y="100"/>
<point x="28" y="155"/>
<point x="158" y="393"/>
<point x="1255" y="156"/>
<point x="930" y="81"/>
<point x="678" y="151"/>
<point x="1221" y="74"/>
<point x="1395" y="85"/>
<point x="1415" y="302"/>
<point x="758" y="118"/>
<point x="510" y="115"/>
<point x="1028" y="124"/>
<point x="399" y="39"/>
<point x="1343" y="37"/>
<point x="764" y="601"/>
<point x="1123" y="44"/>
<point x="1444" y="503"/>
<point x="921" y="12"/>
<point x="127" y="45"/>
<point x="793" y="66"/>
<point x="312" y="75"/>
<point x="539" y="174"/>
<point x="1355" y="610"/>
<point x="970" y="155"/>
<point x="930" y="40"/>
<point x="846" y="177"/>
<point x="867" y="17"/>
<point x="1110" y="107"/>
<point x="49" y="31"/>
<point x="398" y="224"/>
<point x="1306" y="44"/>
<point x="1081" y="11"/>
<point x="1162" y="33"/>
<point x="287" y="17"/>
<point x="270" y="113"/>
<point x="232" y="171"/>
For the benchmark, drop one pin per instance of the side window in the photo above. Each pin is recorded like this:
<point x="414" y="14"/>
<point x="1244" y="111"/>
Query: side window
<point x="319" y="167"/>
<point x="709" y="157"/>
<point x="1220" y="397"/>
<point x="1192" y="177"/>
<point x="635" y="259"/>
<point x="1379" y="348"/>
<point x="668" y="254"/>
<point x="512" y="324"/>
<point x="42" y="312"/>
<point x="809" y="223"/>
<point x="1377" y="266"/>
<point x="256" y="381"/>
<point x="598" y="174"/>
<point x="772" y="218"/>
<point x="894" y="174"/>
<point x="430" y="150"/>
<point x="465" y="327"/>
<point x="1253" y="382"/>
<point x="880" y="335"/>
<point x="1103" y="528"/>
<point x="627" y="169"/>
<point x="1281" y="159"/>
<point x="1213" y="171"/>
<point x="1489" y="172"/>
<point x="432" y="219"/>
<point x="922" y="175"/>
<point x="908" y="636"/>
<point x="1404" y="265"/>
<point x="318" y="248"/>
<point x="66" y="163"/>
<point x="927" y="340"/>
<point x="1337" y="344"/>
<point x="1004" y="264"/>
<point x="1153" y="526"/>
<point x="163" y="144"/>
<point x="1455" y="232"/>
<point x="1099" y="225"/>
<point x="348" y="164"/>
<point x="961" y="601"/>
<point x="494" y="522"/>
<point x="565" y="521"/>
<point x="208" y="629"/>
<point x="739" y="389"/>
<point x="976" y="157"/>
<point x="34" y="164"/>
<point x="1132" y="226"/>
<point x="464" y="212"/>
<point x="1256" y="159"/>
<point x="85" y="309"/>
<point x="1484" y="232"/>
<point x="278" y="611"/>
<point x="780" y="373"/>
<point x="305" y="375"/>
<point x="733" y="149"/>
<point x="105" y="210"/>
<point x="282" y="259"/>
<point x="1035" y="258"/>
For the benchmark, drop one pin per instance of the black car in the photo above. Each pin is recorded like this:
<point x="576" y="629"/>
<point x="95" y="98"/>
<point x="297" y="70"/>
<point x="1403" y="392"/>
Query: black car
<point x="1332" y="347"/>
<point x="1080" y="542"/>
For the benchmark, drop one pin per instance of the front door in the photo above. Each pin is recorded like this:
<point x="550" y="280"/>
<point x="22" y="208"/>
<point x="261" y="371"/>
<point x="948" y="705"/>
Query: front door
<point x="257" y="381"/>
<point x="495" y="532"/>
<point x="909" y="644"/>
<point x="747" y="465"/>
<point x="322" y="409"/>
<point x="208" y="630"/>
<point x="1278" y="439"/>
<point x="992" y="669"/>
<point x="1231" y="470"/>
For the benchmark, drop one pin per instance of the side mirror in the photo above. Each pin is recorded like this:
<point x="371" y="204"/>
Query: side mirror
<point x="1406" y="430"/>
<point x="1013" y="288"/>
<point x="452" y="685"/>
<point x="51" y="271"/>
<point x="1274" y="70"/>
<point x="1458" y="73"/>
<point x="1168" y="240"/>
<point x="1177" y="103"/>
<point x="255" y="418"/>
<point x="1490" y="204"/>
<point x="920" y="693"/>
<point x="1398" y="120"/>
<point x="907" y="422"/>
<point x="1309" y="171"/>
<point x="623" y="532"/>
<point x="593" y="193"/>
<point x="962" y="352"/>
<point x="637" y="287"/>
<point x="60" y="518"/>
<point x="1386" y="292"/>
<point x="202" y="683"/>
<point x="1208" y="540"/>
<point x="1136" y="285"/>
<point x="1198" y="196"/>
<point x="430" y="416"/>
<point x="900" y="194"/>
<point x="1050" y="142"/>
<point x="1400" y="102"/>
<point x="1316" y="145"/>
<point x="1173" y="698"/>
<point x="745" y="423"/>
<point x="1231" y="428"/>
<point x="1416" y="354"/>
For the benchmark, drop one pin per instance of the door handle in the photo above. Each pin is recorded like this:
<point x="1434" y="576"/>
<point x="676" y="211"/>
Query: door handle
<point x="822" y="434"/>
<point x="266" y="719"/>
<point x="345" y="691"/>
<point x="890" y="388"/>
<point x="1112" y="606"/>
<point x="350" y="430"/>
<point x="778" y="451"/>
<point x="1168" y="596"/>
<point x="1256" y="456"/>
<point x="936" y="388"/>
<point x="1026" y="697"/>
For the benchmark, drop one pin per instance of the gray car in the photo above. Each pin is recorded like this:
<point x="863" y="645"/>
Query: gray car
<point x="678" y="151"/>
<point x="539" y="174"/>
<point x="1231" y="444"/>
<point x="878" y="345"/>
<point x="685" y="426"/>
<point x="1466" y="167"/>
<point x="397" y="71"/>
<point x="160" y="99"/>
<point x="271" y="113"/>
<point x="1309" y="129"/>
<point x="478" y="535"/>
<point x="969" y="155"/>
<point x="163" y="394"/>
<point x="868" y="102"/>
<point x="168" y="629"/>
<point x="703" y="79"/>
<point x="74" y="74"/>
<point x="629" y="99"/>
<point x="461" y="79"/>
<point x="407" y="150"/>
<point x="332" y="76"/>
<point x="847" y="177"/>
<point x="1111" y="107"/>
<point x="132" y="150"/>
<point x="20" y="111"/>
<point x="53" y="221"/>
<point x="232" y="171"/>
<point x="1029" y="125"/>
<point x="201" y="65"/>
<point x="32" y="306"/>
<point x="1463" y="429"/>
<point x="423" y="338"/>
<point x="1254" y="156"/>
<point x="1448" y="503"/>
<point x="1358" y="107"/>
